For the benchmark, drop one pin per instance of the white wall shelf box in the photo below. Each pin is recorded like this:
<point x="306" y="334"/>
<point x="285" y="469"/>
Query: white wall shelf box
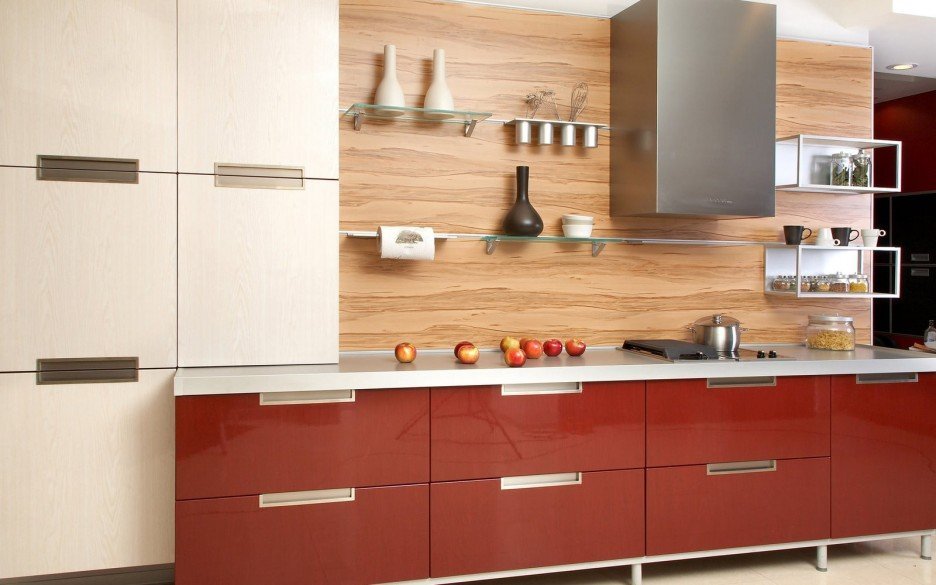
<point x="805" y="261"/>
<point x="804" y="163"/>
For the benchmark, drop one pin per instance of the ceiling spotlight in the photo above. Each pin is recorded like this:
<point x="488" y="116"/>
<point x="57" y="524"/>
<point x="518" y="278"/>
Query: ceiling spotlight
<point x="903" y="66"/>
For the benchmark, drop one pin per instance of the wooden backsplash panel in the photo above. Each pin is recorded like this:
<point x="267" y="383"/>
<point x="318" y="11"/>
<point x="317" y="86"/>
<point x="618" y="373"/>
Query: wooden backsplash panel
<point x="418" y="174"/>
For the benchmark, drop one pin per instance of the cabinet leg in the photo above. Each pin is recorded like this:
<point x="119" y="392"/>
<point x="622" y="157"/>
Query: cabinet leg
<point x="926" y="547"/>
<point x="822" y="558"/>
<point x="636" y="574"/>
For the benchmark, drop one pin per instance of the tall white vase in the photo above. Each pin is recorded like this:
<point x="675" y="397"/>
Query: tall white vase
<point x="438" y="97"/>
<point x="389" y="92"/>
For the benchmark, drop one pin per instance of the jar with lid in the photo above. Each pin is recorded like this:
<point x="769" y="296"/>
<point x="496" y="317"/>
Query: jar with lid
<point x="781" y="283"/>
<point x="823" y="284"/>
<point x="838" y="283"/>
<point x="833" y="332"/>
<point x="841" y="169"/>
<point x="805" y="283"/>
<point x="861" y="169"/>
<point x="858" y="283"/>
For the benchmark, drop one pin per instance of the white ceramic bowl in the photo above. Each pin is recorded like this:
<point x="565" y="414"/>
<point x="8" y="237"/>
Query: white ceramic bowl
<point x="577" y="231"/>
<point x="571" y="219"/>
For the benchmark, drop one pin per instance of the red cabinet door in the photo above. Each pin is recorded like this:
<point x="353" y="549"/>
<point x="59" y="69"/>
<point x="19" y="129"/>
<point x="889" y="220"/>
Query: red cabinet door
<point x="883" y="455"/>
<point x="484" y="431"/>
<point x="479" y="527"/>
<point x="689" y="422"/>
<point x="232" y="445"/>
<point x="381" y="536"/>
<point x="689" y="509"/>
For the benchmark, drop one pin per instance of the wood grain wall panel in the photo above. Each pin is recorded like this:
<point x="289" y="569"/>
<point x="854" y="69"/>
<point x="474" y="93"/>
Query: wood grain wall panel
<point x="420" y="174"/>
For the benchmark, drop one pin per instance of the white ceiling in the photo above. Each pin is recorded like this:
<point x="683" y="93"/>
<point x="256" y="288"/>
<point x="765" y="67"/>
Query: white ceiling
<point x="896" y="38"/>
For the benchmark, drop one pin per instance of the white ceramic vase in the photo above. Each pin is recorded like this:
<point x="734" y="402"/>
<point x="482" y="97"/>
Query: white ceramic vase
<point x="389" y="92"/>
<point x="438" y="97"/>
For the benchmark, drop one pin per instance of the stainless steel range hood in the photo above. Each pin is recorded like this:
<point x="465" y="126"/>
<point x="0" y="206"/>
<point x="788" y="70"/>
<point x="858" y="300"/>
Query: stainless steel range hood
<point x="693" y="109"/>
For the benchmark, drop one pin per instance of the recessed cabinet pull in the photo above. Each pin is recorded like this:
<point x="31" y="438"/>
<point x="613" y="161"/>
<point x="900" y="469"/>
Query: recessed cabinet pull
<point x="87" y="370"/>
<point x="307" y="498"/>
<point x="748" y="382"/>
<point x="919" y="257"/>
<point x="736" y="467"/>
<point x="87" y="169"/>
<point x="258" y="176"/>
<point x="306" y="397"/>
<point x="523" y="482"/>
<point x="544" y="388"/>
<point x="900" y="378"/>
<point x="925" y="272"/>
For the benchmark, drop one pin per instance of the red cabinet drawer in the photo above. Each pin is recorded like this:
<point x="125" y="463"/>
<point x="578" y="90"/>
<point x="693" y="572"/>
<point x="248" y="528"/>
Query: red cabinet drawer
<point x="482" y="431"/>
<point x="884" y="456"/>
<point x="478" y="527"/>
<point x="380" y="536"/>
<point x="689" y="422"/>
<point x="690" y="510"/>
<point x="231" y="445"/>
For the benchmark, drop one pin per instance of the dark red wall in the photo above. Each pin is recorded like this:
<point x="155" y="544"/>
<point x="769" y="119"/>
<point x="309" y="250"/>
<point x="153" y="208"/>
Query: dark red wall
<point x="912" y="120"/>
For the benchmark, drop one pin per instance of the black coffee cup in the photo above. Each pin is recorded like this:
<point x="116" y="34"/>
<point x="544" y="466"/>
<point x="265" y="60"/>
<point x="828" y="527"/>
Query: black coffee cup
<point x="793" y="234"/>
<point x="844" y="235"/>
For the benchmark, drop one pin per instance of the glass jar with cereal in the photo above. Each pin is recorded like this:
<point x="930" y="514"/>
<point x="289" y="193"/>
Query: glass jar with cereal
<point x="833" y="332"/>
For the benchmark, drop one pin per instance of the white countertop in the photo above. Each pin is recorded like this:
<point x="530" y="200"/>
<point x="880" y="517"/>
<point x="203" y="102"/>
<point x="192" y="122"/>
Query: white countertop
<point x="366" y="370"/>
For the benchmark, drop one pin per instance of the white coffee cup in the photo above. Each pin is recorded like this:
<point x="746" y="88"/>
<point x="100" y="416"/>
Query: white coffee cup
<point x="870" y="237"/>
<point x="824" y="234"/>
<point x="830" y="241"/>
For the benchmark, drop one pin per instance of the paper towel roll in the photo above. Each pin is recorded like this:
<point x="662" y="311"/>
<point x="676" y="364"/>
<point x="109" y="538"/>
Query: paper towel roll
<point x="406" y="243"/>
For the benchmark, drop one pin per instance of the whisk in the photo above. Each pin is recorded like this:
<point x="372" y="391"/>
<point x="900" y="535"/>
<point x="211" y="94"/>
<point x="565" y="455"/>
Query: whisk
<point x="579" y="99"/>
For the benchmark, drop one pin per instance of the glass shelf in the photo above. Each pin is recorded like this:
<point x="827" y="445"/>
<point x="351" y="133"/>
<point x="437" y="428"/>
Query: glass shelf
<point x="468" y="119"/>
<point x="597" y="244"/>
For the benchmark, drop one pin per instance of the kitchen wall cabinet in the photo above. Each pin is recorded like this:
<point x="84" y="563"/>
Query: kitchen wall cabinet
<point x="87" y="474"/>
<point x="258" y="274"/>
<point x="884" y="454"/>
<point x="88" y="269"/>
<point x="88" y="78"/>
<point x="258" y="84"/>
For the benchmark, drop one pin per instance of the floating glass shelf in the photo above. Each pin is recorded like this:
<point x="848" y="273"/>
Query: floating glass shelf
<point x="468" y="119"/>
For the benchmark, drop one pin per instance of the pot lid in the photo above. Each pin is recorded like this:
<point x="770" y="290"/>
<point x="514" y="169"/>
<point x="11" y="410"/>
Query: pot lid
<point x="717" y="320"/>
<point x="830" y="319"/>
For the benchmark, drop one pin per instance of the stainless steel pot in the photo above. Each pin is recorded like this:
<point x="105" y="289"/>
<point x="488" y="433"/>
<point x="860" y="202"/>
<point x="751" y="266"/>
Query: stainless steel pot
<point x="718" y="331"/>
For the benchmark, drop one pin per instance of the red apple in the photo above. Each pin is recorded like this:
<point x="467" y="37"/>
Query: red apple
<point x="461" y="343"/>
<point x="509" y="343"/>
<point x="533" y="349"/>
<point x="575" y="347"/>
<point x="523" y="341"/>
<point x="405" y="353"/>
<point x="552" y="347"/>
<point x="514" y="357"/>
<point x="468" y="353"/>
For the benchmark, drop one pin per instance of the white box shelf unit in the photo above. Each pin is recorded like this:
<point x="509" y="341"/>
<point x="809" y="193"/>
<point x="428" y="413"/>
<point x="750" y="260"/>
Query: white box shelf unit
<point x="804" y="163"/>
<point x="806" y="261"/>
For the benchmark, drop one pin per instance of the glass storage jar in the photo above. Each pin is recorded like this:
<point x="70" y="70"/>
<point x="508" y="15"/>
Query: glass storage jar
<point x="805" y="283"/>
<point x="841" y="168"/>
<point x="823" y="284"/>
<point x="838" y="283"/>
<point x="858" y="283"/>
<point x="833" y="332"/>
<point x="861" y="169"/>
<point x="781" y="283"/>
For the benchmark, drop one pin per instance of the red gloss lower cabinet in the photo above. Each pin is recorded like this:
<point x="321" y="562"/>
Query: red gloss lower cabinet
<point x="700" y="421"/>
<point x="381" y="536"/>
<point x="688" y="509"/>
<point x="484" y="431"/>
<point x="884" y="454"/>
<point x="478" y="527"/>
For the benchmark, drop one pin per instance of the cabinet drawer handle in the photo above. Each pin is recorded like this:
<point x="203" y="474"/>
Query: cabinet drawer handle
<point x="308" y="397"/>
<point x="307" y="498"/>
<point x="258" y="176"/>
<point x="919" y="257"/>
<point x="87" y="169"/>
<point x="920" y="272"/>
<point x="544" y="388"/>
<point x="736" y="467"/>
<point x="98" y="370"/>
<point x="749" y="382"/>
<point x="523" y="482"/>
<point x="902" y="378"/>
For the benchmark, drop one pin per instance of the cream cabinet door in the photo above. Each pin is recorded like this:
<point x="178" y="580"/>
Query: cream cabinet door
<point x="87" y="269"/>
<point x="87" y="477"/>
<point x="258" y="274"/>
<point x="88" y="78"/>
<point x="258" y="84"/>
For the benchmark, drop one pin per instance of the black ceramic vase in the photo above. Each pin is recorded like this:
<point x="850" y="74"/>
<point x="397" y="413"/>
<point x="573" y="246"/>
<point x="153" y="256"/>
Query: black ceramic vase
<point x="522" y="220"/>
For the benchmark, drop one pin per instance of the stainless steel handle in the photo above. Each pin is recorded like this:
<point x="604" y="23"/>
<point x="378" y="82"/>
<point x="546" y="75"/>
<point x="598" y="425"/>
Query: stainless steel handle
<point x="736" y="467"/>
<point x="746" y="382"/>
<point x="307" y="498"/>
<point x="899" y="378"/>
<point x="87" y="169"/>
<point x="96" y="370"/>
<point x="306" y="397"/>
<point x="920" y="272"/>
<point x="544" y="388"/>
<point x="523" y="482"/>
<point x="258" y="176"/>
<point x="919" y="257"/>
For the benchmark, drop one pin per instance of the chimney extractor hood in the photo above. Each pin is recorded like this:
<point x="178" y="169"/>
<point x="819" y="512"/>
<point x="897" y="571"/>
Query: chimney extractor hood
<point x="693" y="109"/>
